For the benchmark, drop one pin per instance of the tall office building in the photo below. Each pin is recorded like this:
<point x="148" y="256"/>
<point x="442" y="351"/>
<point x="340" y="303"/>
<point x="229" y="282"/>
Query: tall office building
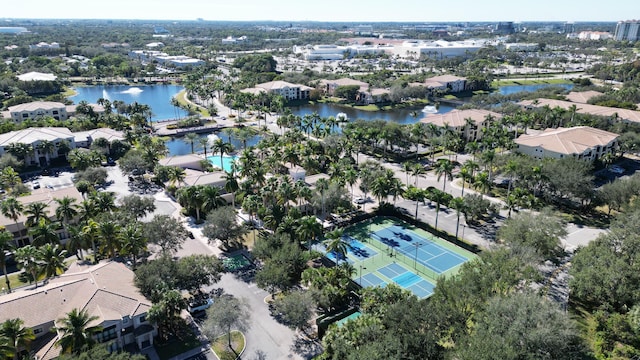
<point x="628" y="30"/>
<point x="569" y="27"/>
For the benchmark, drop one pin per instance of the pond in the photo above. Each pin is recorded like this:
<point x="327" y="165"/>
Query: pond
<point x="402" y="116"/>
<point x="158" y="97"/>
<point x="512" y="89"/>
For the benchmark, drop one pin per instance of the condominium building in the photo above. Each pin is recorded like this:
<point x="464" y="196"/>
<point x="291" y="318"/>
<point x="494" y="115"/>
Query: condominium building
<point x="628" y="30"/>
<point x="582" y="142"/>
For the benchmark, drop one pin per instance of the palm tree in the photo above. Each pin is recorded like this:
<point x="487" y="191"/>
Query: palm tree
<point x="133" y="242"/>
<point x="12" y="209"/>
<point x="204" y="142"/>
<point x="511" y="170"/>
<point x="107" y="233"/>
<point x="51" y="260"/>
<point x="75" y="331"/>
<point x="191" y="138"/>
<point x="488" y="157"/>
<point x="222" y="147"/>
<point x="27" y="260"/>
<point x="444" y="167"/>
<point x="46" y="148"/>
<point x="482" y="182"/>
<point x="415" y="194"/>
<point x="77" y="241"/>
<point x="18" y="337"/>
<point x="176" y="175"/>
<point x="209" y="198"/>
<point x="322" y="185"/>
<point x="66" y="210"/>
<point x="88" y="232"/>
<point x="6" y="245"/>
<point x="20" y="150"/>
<point x="36" y="212"/>
<point x="466" y="176"/>
<point x="105" y="201"/>
<point x="458" y="205"/>
<point x="44" y="232"/>
<point x="309" y="228"/>
<point x="336" y="244"/>
<point x="231" y="184"/>
<point x="350" y="177"/>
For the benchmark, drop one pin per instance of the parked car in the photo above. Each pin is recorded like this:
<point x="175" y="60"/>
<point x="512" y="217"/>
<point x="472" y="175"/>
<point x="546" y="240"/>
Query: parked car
<point x="199" y="302"/>
<point x="35" y="185"/>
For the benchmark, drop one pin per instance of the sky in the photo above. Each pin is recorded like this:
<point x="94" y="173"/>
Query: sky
<point x="327" y="10"/>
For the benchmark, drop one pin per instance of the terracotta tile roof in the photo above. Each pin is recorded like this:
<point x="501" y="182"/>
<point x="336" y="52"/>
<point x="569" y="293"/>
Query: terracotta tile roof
<point x="279" y="84"/>
<point x="105" y="290"/>
<point x="575" y="140"/>
<point x="457" y="118"/>
<point x="46" y="196"/>
<point x="582" y="96"/>
<point x="623" y="114"/>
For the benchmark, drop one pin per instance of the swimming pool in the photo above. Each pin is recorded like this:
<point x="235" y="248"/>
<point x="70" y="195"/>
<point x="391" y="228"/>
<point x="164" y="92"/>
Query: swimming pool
<point x="227" y="161"/>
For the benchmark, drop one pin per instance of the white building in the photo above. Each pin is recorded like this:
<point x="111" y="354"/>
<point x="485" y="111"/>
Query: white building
<point x="38" y="109"/>
<point x="628" y="30"/>
<point x="177" y="61"/>
<point x="582" y="142"/>
<point x="44" y="45"/>
<point x="37" y="76"/>
<point x="34" y="137"/>
<point x="285" y="89"/>
<point x="230" y="40"/>
<point x="594" y="35"/>
<point x="522" y="47"/>
<point x="439" y="48"/>
<point x="448" y="83"/>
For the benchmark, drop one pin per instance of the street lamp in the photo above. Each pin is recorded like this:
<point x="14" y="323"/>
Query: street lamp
<point x="464" y="226"/>
<point x="415" y="259"/>
<point x="361" y="267"/>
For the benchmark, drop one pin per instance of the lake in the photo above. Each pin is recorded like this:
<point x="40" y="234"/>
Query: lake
<point x="512" y="89"/>
<point x="401" y="116"/>
<point x="158" y="97"/>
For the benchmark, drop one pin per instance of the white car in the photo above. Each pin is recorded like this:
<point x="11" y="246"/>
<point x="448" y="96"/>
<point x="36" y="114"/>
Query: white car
<point x="359" y="200"/>
<point x="199" y="305"/>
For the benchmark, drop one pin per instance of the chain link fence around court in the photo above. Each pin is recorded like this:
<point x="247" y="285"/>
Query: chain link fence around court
<point x="389" y="255"/>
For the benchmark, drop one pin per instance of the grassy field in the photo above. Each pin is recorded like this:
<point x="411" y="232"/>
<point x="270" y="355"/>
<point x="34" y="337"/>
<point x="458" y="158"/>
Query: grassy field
<point x="221" y="346"/>
<point x="498" y="83"/>
<point x="181" y="97"/>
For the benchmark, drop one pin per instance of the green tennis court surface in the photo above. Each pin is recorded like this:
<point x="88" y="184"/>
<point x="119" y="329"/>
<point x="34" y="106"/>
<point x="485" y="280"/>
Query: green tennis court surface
<point x="399" y="253"/>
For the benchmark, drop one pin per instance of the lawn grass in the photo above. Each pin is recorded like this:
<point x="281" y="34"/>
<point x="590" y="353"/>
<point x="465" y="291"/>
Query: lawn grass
<point x="221" y="346"/>
<point x="175" y="347"/>
<point x="507" y="82"/>
<point x="182" y="99"/>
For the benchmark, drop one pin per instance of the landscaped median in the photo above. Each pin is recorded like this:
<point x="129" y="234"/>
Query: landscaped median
<point x="229" y="351"/>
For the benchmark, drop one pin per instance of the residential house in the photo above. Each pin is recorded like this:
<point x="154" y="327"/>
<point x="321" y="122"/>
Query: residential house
<point x="446" y="83"/>
<point x="34" y="137"/>
<point x="105" y="290"/>
<point x="38" y="109"/>
<point x="214" y="178"/>
<point x="366" y="94"/>
<point x="47" y="196"/>
<point x="84" y="139"/>
<point x="625" y="115"/>
<point x="188" y="161"/>
<point x="582" y="142"/>
<point x="582" y="97"/>
<point x="467" y="123"/>
<point x="285" y="89"/>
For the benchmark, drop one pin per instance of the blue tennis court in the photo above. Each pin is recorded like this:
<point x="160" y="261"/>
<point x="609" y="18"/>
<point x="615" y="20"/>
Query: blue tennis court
<point x="407" y="279"/>
<point x="429" y="254"/>
<point x="371" y="279"/>
<point x="356" y="251"/>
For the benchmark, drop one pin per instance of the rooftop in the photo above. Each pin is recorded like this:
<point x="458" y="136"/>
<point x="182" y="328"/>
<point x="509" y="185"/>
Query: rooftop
<point x="31" y="135"/>
<point x="36" y="76"/>
<point x="575" y="140"/>
<point x="458" y="118"/>
<point x="623" y="114"/>
<point x="36" y="105"/>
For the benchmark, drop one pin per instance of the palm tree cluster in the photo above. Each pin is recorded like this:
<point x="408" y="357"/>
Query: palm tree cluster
<point x="15" y="339"/>
<point x="95" y="223"/>
<point x="199" y="199"/>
